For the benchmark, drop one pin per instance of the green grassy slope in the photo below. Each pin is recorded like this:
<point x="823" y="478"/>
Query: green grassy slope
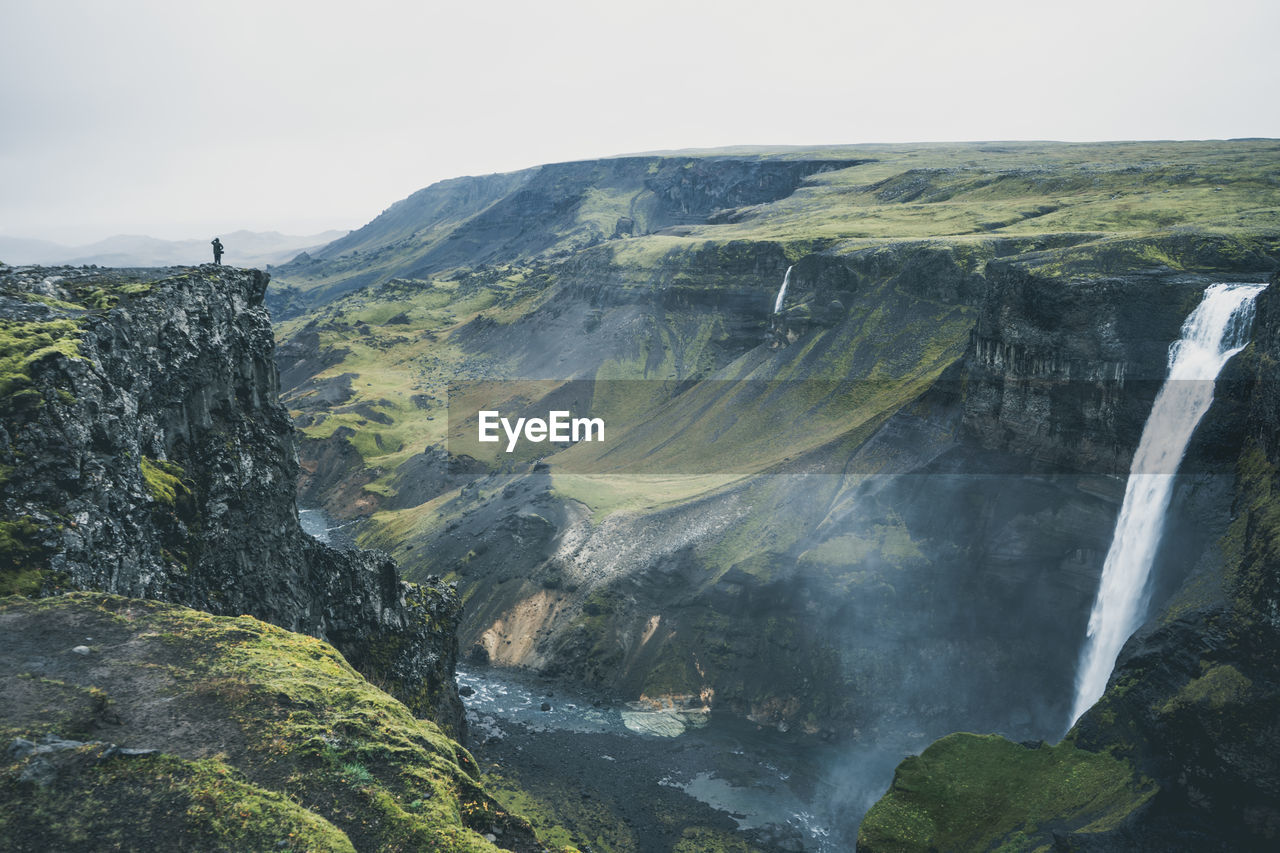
<point x="905" y="192"/>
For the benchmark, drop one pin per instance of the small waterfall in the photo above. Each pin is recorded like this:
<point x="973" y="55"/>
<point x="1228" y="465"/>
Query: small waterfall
<point x="782" y="291"/>
<point x="1216" y="330"/>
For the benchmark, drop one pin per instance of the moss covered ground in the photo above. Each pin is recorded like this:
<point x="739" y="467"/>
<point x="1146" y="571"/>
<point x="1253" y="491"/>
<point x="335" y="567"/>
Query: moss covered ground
<point x="982" y="792"/>
<point x="22" y="344"/>
<point x="266" y="739"/>
<point x="1028" y="188"/>
<point x="96" y="800"/>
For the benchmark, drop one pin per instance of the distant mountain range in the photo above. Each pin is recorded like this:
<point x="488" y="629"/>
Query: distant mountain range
<point x="243" y="249"/>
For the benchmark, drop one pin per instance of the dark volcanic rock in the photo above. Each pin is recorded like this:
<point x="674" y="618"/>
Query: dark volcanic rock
<point x="333" y="475"/>
<point x="1064" y="371"/>
<point x="154" y="461"/>
<point x="301" y="358"/>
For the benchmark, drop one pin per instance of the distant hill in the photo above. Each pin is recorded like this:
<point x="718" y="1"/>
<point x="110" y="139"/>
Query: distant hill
<point x="243" y="249"/>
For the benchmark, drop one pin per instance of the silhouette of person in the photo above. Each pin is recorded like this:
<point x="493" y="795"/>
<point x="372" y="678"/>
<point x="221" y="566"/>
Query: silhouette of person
<point x="217" y="251"/>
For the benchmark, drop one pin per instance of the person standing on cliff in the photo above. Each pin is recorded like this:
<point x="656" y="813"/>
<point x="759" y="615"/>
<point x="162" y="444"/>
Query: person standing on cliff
<point x="217" y="251"/>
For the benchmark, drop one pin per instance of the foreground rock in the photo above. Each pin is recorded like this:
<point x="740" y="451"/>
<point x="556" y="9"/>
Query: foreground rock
<point x="185" y="731"/>
<point x="143" y="453"/>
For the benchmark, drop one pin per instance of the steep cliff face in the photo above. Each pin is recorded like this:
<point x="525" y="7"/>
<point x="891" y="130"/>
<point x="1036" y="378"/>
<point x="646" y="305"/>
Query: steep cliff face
<point x="1195" y="695"/>
<point x="1065" y="370"/>
<point x="144" y="454"/>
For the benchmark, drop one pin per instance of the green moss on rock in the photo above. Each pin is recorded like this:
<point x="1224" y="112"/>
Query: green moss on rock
<point x="1251" y="546"/>
<point x="22" y="569"/>
<point x="87" y="799"/>
<point x="317" y="745"/>
<point x="982" y="792"/>
<point x="702" y="840"/>
<point x="22" y="344"/>
<point x="164" y="480"/>
<point x="1220" y="685"/>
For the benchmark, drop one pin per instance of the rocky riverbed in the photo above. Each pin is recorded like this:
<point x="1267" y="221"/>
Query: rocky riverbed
<point x="770" y="789"/>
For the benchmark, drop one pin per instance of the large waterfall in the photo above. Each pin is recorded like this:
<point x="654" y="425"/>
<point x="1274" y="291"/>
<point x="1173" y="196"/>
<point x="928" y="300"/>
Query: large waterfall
<point x="782" y="291"/>
<point x="1215" y="331"/>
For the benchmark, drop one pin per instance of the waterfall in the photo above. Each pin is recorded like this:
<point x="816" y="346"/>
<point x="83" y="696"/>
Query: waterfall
<point x="1216" y="330"/>
<point x="782" y="291"/>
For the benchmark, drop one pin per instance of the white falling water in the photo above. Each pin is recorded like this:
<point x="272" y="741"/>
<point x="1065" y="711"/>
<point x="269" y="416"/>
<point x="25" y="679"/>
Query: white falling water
<point x="1211" y="335"/>
<point x="782" y="292"/>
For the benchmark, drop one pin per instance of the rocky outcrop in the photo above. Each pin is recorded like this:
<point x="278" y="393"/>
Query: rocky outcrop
<point x="145" y="454"/>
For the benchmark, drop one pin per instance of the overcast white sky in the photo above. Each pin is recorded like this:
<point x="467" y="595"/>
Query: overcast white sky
<point x="182" y="119"/>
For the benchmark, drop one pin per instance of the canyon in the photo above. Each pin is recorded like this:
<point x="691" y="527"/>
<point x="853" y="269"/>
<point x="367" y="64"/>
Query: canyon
<point x="872" y="412"/>
<point x="870" y="435"/>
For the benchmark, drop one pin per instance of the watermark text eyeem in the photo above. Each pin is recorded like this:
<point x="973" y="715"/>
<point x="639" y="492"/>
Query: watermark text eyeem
<point x="558" y="427"/>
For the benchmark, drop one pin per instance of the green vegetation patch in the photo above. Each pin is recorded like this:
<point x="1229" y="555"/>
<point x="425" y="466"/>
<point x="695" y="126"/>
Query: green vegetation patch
<point x="1218" y="686"/>
<point x="547" y="814"/>
<point x="699" y="839"/>
<point x="90" y="799"/>
<point x="982" y="792"/>
<point x="23" y="344"/>
<point x="22" y="557"/>
<point x="164" y="480"/>
<point x="1251" y="545"/>
<point x="568" y="821"/>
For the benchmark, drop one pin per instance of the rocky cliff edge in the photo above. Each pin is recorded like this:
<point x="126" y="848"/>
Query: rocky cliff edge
<point x="143" y="453"/>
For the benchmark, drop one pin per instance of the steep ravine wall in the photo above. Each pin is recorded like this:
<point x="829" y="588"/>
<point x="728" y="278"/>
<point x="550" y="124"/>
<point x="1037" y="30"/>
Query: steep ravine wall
<point x="144" y="454"/>
<point x="1064" y="371"/>
<point x="1195" y="693"/>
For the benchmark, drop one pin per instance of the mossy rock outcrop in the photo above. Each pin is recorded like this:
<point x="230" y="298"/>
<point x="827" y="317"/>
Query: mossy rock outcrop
<point x="132" y="725"/>
<point x="982" y="792"/>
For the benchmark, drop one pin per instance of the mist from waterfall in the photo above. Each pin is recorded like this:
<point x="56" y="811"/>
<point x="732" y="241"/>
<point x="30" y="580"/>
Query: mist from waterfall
<point x="1216" y="330"/>
<point x="782" y="291"/>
